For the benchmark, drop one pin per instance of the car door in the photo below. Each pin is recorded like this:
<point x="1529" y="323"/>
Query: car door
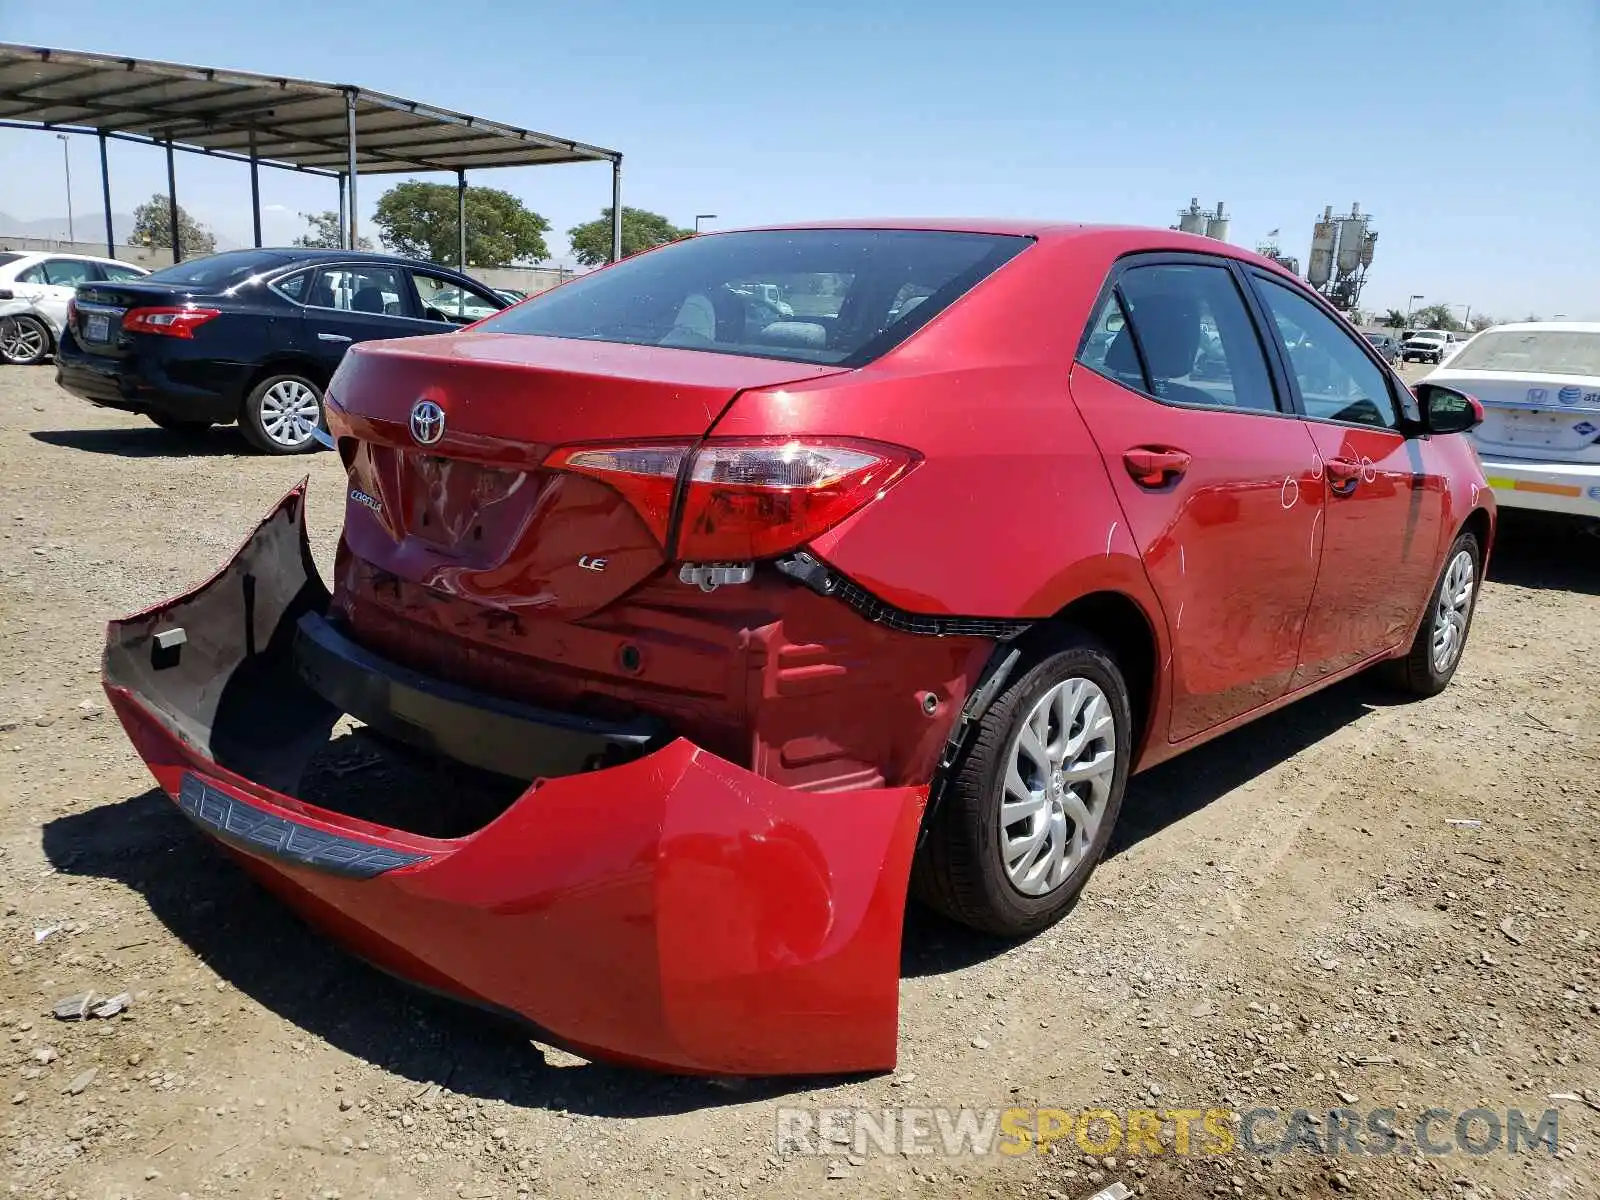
<point x="1215" y="473"/>
<point x="53" y="283"/>
<point x="1386" y="496"/>
<point x="347" y="303"/>
<point x="448" y="303"/>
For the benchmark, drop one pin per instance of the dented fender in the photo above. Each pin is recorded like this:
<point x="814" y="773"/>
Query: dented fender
<point x="674" y="912"/>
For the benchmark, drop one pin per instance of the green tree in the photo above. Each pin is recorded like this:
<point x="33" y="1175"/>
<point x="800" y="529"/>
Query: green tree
<point x="1395" y="319"/>
<point x="1483" y="321"/>
<point x="419" y="220"/>
<point x="1434" y="316"/>
<point x="323" y="232"/>
<point x="641" y="230"/>
<point x="152" y="226"/>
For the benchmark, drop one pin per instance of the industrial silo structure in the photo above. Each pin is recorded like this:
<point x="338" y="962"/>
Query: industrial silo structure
<point x="1324" y="236"/>
<point x="1193" y="218"/>
<point x="1217" y="224"/>
<point x="1341" y="251"/>
<point x="1352" y="235"/>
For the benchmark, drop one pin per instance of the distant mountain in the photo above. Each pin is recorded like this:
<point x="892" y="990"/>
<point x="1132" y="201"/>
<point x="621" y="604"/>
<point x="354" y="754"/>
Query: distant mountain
<point x="89" y="227"/>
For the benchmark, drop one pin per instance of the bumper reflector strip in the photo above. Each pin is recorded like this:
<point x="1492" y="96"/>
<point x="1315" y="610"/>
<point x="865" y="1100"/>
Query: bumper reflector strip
<point x="242" y="824"/>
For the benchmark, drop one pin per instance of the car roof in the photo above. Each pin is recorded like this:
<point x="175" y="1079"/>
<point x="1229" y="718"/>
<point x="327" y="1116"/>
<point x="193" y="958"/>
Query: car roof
<point x="27" y="255"/>
<point x="1546" y="327"/>
<point x="325" y="254"/>
<point x="1123" y="237"/>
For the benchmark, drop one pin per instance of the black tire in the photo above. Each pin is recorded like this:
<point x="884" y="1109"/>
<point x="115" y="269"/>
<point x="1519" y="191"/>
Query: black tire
<point x="25" y="341"/>
<point x="178" y="424"/>
<point x="256" y="428"/>
<point x="959" y="870"/>
<point x="1420" y="673"/>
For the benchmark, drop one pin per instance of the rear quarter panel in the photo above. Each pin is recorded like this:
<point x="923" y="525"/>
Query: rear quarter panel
<point x="1010" y="513"/>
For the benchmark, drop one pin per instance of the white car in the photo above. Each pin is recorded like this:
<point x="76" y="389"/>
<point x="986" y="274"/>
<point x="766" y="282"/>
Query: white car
<point x="1428" y="345"/>
<point x="1539" y="384"/>
<point x="35" y="289"/>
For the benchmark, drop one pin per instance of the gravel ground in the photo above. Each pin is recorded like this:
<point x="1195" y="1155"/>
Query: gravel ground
<point x="1289" y="918"/>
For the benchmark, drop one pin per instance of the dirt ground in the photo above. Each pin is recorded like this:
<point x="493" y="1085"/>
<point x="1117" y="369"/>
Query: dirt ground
<point x="1290" y="917"/>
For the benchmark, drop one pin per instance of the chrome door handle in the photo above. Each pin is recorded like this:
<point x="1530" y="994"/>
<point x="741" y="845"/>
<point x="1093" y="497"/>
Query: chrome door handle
<point x="332" y="337"/>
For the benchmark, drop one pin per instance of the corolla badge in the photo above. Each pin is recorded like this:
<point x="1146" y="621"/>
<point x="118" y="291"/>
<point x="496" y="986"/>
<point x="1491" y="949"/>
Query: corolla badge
<point x="427" y="422"/>
<point x="366" y="501"/>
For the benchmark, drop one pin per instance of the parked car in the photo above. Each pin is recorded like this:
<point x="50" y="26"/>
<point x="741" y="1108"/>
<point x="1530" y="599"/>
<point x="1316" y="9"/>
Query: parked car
<point x="511" y="295"/>
<point x="764" y="619"/>
<point x="1387" y="345"/>
<point x="1427" y="345"/>
<point x="1539" y="383"/>
<point x="251" y="336"/>
<point x="35" y="290"/>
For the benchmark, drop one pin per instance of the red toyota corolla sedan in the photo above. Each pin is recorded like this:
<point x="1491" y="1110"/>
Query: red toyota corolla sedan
<point x="784" y="569"/>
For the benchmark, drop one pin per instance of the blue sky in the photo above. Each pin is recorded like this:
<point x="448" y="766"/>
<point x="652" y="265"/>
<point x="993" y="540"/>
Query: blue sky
<point x="1471" y="130"/>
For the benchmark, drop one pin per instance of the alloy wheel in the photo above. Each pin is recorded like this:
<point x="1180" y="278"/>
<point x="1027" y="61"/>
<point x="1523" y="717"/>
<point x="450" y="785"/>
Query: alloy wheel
<point x="1059" y="771"/>
<point x="1453" y="611"/>
<point x="289" y="413"/>
<point x="22" y="341"/>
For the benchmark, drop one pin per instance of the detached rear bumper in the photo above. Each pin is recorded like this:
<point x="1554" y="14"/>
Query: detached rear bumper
<point x="674" y="912"/>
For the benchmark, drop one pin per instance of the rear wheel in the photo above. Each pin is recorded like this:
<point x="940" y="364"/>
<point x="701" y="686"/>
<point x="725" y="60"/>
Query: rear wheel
<point x="281" y="414"/>
<point x="24" y="340"/>
<point x="1030" y="808"/>
<point x="1435" y="653"/>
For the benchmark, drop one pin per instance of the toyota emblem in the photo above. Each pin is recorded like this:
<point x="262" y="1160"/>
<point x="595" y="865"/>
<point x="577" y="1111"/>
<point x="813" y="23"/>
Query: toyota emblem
<point x="427" y="422"/>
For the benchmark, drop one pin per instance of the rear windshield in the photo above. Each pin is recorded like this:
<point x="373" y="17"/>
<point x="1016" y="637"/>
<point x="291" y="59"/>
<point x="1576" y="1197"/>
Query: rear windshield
<point x="10" y="257"/>
<point x="218" y="272"/>
<point x="835" y="296"/>
<point x="1545" y="352"/>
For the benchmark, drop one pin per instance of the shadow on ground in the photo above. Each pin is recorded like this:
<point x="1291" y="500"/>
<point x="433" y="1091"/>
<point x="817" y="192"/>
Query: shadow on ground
<point x="1538" y="550"/>
<point x="255" y="944"/>
<point x="1164" y="796"/>
<point x="153" y="442"/>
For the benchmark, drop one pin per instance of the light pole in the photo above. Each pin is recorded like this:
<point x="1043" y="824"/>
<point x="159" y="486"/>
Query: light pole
<point x="1467" y="319"/>
<point x="703" y="217"/>
<point x="1411" y="303"/>
<point x="66" y="161"/>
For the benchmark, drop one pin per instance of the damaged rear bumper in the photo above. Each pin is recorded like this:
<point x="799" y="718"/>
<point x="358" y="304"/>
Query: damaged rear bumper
<point x="674" y="911"/>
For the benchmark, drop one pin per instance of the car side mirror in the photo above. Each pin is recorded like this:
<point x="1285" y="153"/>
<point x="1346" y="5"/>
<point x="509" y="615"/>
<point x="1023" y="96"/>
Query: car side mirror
<point x="7" y="294"/>
<point x="1445" y="410"/>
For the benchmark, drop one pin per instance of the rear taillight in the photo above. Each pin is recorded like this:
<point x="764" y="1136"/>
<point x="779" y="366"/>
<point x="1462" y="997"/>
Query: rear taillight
<point x="169" y="322"/>
<point x="72" y="311"/>
<point x="745" y="499"/>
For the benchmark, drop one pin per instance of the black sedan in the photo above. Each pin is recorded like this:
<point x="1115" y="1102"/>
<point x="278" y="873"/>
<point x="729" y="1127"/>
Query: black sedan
<point x="251" y="336"/>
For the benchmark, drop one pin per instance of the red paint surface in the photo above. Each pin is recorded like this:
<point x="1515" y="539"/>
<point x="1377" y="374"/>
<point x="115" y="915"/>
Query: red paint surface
<point x="719" y="924"/>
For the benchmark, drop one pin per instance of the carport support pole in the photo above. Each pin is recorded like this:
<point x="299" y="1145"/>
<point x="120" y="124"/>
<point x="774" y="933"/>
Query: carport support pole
<point x="255" y="189"/>
<point x="343" y="219"/>
<point x="172" y="206"/>
<point x="350" y="112"/>
<point x="616" y="209"/>
<point x="105" y="195"/>
<point x="461" y="221"/>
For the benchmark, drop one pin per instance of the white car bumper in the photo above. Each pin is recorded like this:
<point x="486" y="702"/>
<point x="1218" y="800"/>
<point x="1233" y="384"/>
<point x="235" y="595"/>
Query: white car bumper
<point x="1572" y="488"/>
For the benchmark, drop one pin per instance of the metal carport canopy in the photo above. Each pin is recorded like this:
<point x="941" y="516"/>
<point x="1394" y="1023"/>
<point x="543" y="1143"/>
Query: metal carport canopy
<point x="324" y="128"/>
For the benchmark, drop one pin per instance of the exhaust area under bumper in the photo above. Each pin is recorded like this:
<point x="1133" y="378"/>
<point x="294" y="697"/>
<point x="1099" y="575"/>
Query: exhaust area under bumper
<point x="674" y="911"/>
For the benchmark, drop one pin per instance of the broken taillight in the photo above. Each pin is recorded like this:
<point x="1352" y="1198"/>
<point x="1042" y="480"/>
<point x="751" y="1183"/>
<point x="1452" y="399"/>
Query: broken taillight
<point x="743" y="499"/>
<point x="169" y="322"/>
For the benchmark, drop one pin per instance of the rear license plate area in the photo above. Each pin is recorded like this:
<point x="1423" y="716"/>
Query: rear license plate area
<point x="96" y="327"/>
<point x="1547" y="430"/>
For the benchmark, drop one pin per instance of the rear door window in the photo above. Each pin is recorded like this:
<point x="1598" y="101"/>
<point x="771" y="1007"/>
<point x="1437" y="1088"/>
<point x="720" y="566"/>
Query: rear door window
<point x="834" y="296"/>
<point x="1181" y="332"/>
<point x="120" y="274"/>
<point x="67" y="272"/>
<point x="360" y="288"/>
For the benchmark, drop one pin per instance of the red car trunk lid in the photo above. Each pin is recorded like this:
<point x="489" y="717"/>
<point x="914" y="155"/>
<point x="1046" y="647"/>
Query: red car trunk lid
<point x="473" y="513"/>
